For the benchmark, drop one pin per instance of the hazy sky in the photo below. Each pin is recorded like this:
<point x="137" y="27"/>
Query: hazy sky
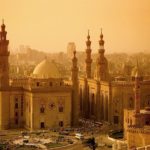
<point x="50" y="24"/>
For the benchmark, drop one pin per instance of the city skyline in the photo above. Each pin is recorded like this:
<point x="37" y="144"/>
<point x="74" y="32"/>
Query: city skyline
<point x="98" y="98"/>
<point x="50" y="25"/>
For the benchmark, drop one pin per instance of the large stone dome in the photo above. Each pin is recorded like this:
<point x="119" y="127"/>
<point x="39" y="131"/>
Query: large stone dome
<point x="46" y="69"/>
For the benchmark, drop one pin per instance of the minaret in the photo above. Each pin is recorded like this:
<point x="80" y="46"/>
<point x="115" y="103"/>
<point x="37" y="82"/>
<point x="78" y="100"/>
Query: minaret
<point x="74" y="68"/>
<point x="137" y="115"/>
<point x="75" y="85"/>
<point x="4" y="80"/>
<point x="137" y="91"/>
<point x="101" y="72"/>
<point x="4" y="56"/>
<point x="88" y="60"/>
<point x="101" y="44"/>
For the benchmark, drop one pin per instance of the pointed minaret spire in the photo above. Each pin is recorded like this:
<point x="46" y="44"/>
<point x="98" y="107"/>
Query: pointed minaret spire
<point x="2" y="21"/>
<point x="74" y="66"/>
<point x="3" y="26"/>
<point x="3" y="32"/>
<point x="101" y="33"/>
<point x="88" y="60"/>
<point x="74" y="53"/>
<point x="88" y="37"/>
<point x="101" y="42"/>
<point x="74" y="59"/>
<point x="101" y="72"/>
<point x="88" y="42"/>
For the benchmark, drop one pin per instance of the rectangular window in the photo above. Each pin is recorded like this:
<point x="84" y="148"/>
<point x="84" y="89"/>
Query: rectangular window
<point x="21" y="105"/>
<point x="38" y="84"/>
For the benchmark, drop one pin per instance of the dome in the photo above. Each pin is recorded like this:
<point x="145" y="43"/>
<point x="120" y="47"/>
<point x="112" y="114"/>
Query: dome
<point x="46" y="69"/>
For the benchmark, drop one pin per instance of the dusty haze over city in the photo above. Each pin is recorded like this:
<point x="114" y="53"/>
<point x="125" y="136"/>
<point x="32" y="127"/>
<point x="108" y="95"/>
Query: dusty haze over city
<point x="48" y="25"/>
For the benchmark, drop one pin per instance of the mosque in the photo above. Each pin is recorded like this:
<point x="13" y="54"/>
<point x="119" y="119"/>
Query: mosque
<point x="103" y="98"/>
<point x="46" y="100"/>
<point x="42" y="100"/>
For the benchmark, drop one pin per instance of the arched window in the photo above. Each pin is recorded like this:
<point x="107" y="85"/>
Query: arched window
<point x="131" y="122"/>
<point x="61" y="123"/>
<point x="16" y="114"/>
<point x="92" y="104"/>
<point x="131" y="102"/>
<point x="61" y="108"/>
<point x="147" y="122"/>
<point x="16" y="105"/>
<point x="42" y="109"/>
<point x="81" y="100"/>
<point x="147" y="101"/>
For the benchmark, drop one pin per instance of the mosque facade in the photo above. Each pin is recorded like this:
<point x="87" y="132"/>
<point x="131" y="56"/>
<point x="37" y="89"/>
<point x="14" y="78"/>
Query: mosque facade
<point x="45" y="100"/>
<point x="42" y="100"/>
<point x="103" y="98"/>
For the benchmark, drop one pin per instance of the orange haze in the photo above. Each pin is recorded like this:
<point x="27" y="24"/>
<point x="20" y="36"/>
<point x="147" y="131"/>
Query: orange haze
<point x="50" y="24"/>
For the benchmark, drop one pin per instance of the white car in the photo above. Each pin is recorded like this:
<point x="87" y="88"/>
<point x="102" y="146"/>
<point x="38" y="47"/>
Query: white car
<point x="79" y="136"/>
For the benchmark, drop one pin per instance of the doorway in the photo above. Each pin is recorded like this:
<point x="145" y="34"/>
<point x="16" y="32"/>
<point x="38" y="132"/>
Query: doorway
<point x="116" y="119"/>
<point x="42" y="125"/>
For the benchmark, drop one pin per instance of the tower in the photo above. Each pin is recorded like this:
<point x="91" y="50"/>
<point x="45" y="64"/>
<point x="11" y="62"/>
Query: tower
<point x="137" y="91"/>
<point x="75" y="96"/>
<point x="4" y="56"/>
<point x="4" y="79"/>
<point x="88" y="60"/>
<point x="74" y="76"/>
<point x="101" y="72"/>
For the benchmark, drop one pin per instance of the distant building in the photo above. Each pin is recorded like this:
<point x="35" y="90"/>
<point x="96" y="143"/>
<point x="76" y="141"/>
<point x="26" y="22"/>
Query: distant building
<point x="71" y="47"/>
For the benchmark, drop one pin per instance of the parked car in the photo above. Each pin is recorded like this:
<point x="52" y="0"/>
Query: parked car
<point x="79" y="136"/>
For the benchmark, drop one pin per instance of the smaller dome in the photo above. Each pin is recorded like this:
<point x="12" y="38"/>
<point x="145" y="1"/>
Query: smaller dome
<point x="46" y="69"/>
